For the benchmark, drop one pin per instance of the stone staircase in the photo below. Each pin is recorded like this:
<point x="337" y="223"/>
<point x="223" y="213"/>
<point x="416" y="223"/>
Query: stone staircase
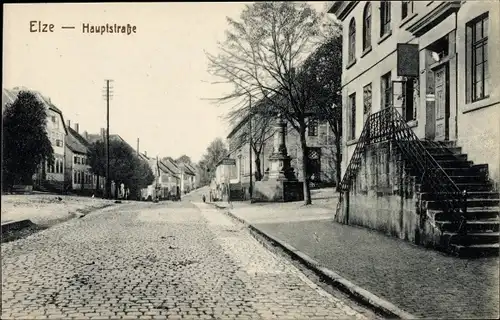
<point x="483" y="204"/>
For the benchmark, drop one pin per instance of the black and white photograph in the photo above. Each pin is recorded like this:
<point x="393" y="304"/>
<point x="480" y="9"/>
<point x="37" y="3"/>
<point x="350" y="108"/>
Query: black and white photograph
<point x="251" y="160"/>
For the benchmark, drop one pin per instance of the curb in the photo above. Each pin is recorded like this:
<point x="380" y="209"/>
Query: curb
<point x="16" y="225"/>
<point x="347" y="286"/>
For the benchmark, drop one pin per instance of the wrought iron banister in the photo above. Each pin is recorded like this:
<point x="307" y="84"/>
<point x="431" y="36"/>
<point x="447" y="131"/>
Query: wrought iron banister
<point x="388" y="125"/>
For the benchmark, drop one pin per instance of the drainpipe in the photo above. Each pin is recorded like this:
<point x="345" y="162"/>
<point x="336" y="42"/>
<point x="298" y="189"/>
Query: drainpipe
<point x="456" y="77"/>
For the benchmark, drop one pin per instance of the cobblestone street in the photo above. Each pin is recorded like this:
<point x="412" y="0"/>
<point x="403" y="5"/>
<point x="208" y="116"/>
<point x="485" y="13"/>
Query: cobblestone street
<point x="157" y="261"/>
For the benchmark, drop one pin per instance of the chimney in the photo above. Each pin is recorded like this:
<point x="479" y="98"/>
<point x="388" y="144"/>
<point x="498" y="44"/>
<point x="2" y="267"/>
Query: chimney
<point x="103" y="133"/>
<point x="86" y="135"/>
<point x="68" y="123"/>
<point x="137" y="146"/>
<point x="77" y="127"/>
<point x="146" y="153"/>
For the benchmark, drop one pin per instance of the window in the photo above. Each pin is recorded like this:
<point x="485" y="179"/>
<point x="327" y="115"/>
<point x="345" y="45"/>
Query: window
<point x="75" y="159"/>
<point x="53" y="118"/>
<point x="386" y="91"/>
<point x="406" y="8"/>
<point x="367" y="100"/>
<point x="59" y="143"/>
<point x="367" y="26"/>
<point x="75" y="177"/>
<point x="352" y="109"/>
<point x="385" y="17"/>
<point x="352" y="41"/>
<point x="477" y="74"/>
<point x="313" y="127"/>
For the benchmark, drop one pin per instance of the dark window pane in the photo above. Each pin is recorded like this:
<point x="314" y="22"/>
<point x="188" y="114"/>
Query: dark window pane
<point x="479" y="90"/>
<point x="479" y="73"/>
<point x="479" y="30"/>
<point x="478" y="55"/>
<point x="485" y="27"/>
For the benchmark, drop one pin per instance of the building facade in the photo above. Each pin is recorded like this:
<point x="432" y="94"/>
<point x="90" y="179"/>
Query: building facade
<point x="421" y="121"/>
<point x="51" y="177"/>
<point x="455" y="95"/>
<point x="79" y="177"/>
<point x="321" y="152"/>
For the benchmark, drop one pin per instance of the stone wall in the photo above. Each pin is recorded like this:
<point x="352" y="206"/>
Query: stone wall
<point x="278" y="191"/>
<point x="383" y="196"/>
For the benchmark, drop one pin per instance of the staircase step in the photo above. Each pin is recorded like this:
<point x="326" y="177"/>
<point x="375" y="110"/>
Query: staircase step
<point x="463" y="171"/>
<point x="471" y="238"/>
<point x="444" y="150"/>
<point x="446" y="144"/>
<point x="447" y="163"/>
<point x="483" y="225"/>
<point x="476" y="250"/>
<point x="456" y="157"/>
<point x="471" y="203"/>
<point x="475" y="187"/>
<point x="479" y="213"/>
<point x="467" y="179"/>
<point x="470" y="195"/>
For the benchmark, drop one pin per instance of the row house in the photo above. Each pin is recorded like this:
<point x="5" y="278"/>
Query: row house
<point x="321" y="153"/>
<point x="47" y="177"/>
<point x="418" y="84"/>
<point x="167" y="181"/>
<point x="79" y="177"/>
<point x="187" y="176"/>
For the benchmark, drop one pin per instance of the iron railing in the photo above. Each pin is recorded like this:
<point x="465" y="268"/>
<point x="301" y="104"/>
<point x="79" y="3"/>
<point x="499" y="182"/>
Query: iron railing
<point x="388" y="125"/>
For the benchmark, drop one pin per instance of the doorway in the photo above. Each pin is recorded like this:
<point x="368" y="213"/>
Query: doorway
<point x="442" y="106"/>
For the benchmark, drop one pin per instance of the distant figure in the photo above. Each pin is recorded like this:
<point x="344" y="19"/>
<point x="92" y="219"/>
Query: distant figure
<point x="203" y="198"/>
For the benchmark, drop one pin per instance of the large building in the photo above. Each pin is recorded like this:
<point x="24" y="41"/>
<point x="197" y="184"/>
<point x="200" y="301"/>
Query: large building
<point x="321" y="152"/>
<point x="79" y="177"/>
<point x="446" y="91"/>
<point x="47" y="177"/>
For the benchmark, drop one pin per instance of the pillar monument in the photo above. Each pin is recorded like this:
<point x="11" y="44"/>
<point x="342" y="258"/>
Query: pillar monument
<point x="279" y="183"/>
<point x="280" y="162"/>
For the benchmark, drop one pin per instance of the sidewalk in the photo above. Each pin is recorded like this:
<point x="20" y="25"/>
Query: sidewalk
<point x="423" y="283"/>
<point x="48" y="209"/>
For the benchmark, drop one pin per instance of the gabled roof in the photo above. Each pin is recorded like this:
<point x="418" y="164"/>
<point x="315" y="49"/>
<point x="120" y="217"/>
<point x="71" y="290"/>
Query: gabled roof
<point x="171" y="165"/>
<point x="187" y="169"/>
<point x="10" y="95"/>
<point x="75" y="142"/>
<point x="166" y="169"/>
<point x="192" y="168"/>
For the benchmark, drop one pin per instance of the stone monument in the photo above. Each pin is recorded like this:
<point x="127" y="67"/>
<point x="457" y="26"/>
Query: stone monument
<point x="280" y="183"/>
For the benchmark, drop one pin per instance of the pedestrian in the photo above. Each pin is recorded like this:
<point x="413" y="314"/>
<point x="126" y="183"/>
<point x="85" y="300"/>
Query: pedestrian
<point x="203" y="198"/>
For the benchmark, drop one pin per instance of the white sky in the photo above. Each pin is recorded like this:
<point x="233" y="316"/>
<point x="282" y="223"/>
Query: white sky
<point x="158" y="72"/>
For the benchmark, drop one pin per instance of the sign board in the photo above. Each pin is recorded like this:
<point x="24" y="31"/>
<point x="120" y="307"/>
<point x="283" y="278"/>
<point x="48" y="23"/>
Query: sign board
<point x="408" y="60"/>
<point x="231" y="162"/>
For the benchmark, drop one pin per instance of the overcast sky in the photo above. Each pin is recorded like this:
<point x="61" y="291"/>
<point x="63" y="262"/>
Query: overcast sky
<point x="159" y="73"/>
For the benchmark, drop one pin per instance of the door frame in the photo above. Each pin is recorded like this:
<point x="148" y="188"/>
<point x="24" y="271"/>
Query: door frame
<point x="444" y="65"/>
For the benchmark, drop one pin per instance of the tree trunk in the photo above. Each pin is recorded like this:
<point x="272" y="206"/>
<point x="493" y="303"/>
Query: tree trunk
<point x="303" y="144"/>
<point x="257" y="166"/>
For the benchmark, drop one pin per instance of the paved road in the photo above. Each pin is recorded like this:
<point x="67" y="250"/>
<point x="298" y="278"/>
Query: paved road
<point x="426" y="283"/>
<point x="157" y="261"/>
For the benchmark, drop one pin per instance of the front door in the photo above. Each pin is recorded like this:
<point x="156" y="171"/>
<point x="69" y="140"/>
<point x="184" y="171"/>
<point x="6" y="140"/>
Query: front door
<point x="442" y="103"/>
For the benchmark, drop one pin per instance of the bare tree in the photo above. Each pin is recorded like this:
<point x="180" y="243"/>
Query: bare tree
<point x="323" y="77"/>
<point x="262" y="130"/>
<point x="261" y="57"/>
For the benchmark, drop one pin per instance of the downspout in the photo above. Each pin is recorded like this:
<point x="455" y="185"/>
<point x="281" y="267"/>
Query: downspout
<point x="456" y="76"/>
